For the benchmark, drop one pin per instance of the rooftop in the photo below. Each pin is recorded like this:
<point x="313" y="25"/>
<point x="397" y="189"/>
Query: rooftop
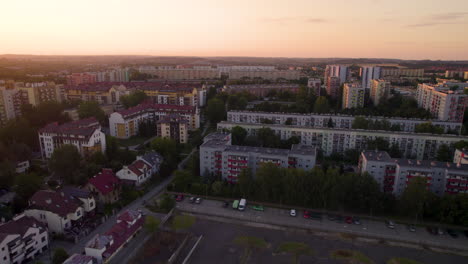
<point x="19" y="225"/>
<point x="79" y="259"/>
<point x="54" y="202"/>
<point x="147" y="107"/>
<point x="105" y="181"/>
<point x="84" y="127"/>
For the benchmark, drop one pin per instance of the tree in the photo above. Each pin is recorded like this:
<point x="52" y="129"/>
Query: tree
<point x="267" y="138"/>
<point x="151" y="224"/>
<point x="91" y="109"/>
<point x="246" y="182"/>
<point x="360" y="122"/>
<point x="414" y="197"/>
<point x="7" y="174"/>
<point x="297" y="249"/>
<point x="217" y="187"/>
<point x="321" y="105"/>
<point x="215" y="110"/>
<point x="444" y="153"/>
<point x="65" y="163"/>
<point x="60" y="255"/>
<point x="238" y="135"/>
<point x="166" y="203"/>
<point x="25" y="186"/>
<point x="182" y="180"/>
<point x="133" y="99"/>
<point x="167" y="147"/>
<point x="183" y="222"/>
<point x="428" y="127"/>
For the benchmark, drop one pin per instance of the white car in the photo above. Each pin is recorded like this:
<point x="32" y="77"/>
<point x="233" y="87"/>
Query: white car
<point x="292" y="212"/>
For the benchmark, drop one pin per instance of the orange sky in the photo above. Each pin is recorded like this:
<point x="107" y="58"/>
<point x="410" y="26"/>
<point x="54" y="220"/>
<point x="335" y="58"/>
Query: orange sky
<point x="408" y="29"/>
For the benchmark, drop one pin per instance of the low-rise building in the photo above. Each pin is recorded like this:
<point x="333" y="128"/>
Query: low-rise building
<point x="104" y="246"/>
<point x="460" y="156"/>
<point x="336" y="121"/>
<point x="174" y="127"/>
<point x="125" y="123"/>
<point x="353" y="95"/>
<point x="141" y="170"/>
<point x="106" y="186"/>
<point x="219" y="157"/>
<point x="22" y="239"/>
<point x="80" y="259"/>
<point x="85" y="135"/>
<point x="394" y="174"/>
<point x="338" y="140"/>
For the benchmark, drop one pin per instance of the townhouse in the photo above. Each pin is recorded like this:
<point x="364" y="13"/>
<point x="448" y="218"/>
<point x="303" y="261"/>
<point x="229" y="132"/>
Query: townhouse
<point x="85" y="135"/>
<point x="219" y="157"/>
<point x="105" y="186"/>
<point x="104" y="246"/>
<point x="394" y="175"/>
<point x="141" y="170"/>
<point x="338" y="140"/>
<point x="22" y="239"/>
<point x="337" y="121"/>
<point x="125" y="123"/>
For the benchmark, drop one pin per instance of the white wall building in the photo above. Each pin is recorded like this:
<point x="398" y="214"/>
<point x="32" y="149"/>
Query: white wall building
<point x="142" y="169"/>
<point x="340" y="71"/>
<point x="353" y="96"/>
<point x="369" y="73"/>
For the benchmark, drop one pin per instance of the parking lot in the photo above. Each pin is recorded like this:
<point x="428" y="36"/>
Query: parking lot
<point x="367" y="228"/>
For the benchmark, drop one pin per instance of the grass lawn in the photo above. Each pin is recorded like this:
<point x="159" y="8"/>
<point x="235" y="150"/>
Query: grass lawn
<point x="354" y="257"/>
<point x="132" y="141"/>
<point x="402" y="261"/>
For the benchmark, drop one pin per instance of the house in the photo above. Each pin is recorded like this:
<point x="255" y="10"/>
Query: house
<point x="84" y="195"/>
<point x="104" y="246"/>
<point x="22" y="166"/>
<point x="80" y="259"/>
<point x="105" y="186"/>
<point x="141" y="169"/>
<point x="58" y="211"/>
<point x="22" y="239"/>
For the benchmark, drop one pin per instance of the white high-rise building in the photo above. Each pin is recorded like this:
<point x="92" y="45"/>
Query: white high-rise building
<point x="340" y="71"/>
<point x="369" y="73"/>
<point x="379" y="90"/>
<point x="353" y="95"/>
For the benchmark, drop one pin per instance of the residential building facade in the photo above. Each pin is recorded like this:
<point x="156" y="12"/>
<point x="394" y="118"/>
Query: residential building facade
<point x="353" y="95"/>
<point x="401" y="72"/>
<point x="105" y="186"/>
<point x="314" y="85"/>
<point x="22" y="239"/>
<point x="337" y="140"/>
<point x="394" y="175"/>
<point x="333" y="87"/>
<point x="369" y="73"/>
<point x="85" y="135"/>
<point x="340" y="71"/>
<point x="262" y="90"/>
<point x="379" y="91"/>
<point x="141" y="170"/>
<point x="125" y="123"/>
<point x="219" y="157"/>
<point x="174" y="127"/>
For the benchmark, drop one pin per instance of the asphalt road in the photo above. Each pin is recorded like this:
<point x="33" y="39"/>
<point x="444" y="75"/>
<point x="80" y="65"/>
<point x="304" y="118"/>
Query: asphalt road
<point x="368" y="228"/>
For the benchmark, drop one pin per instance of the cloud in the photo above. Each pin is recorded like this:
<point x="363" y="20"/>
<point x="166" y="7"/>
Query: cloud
<point x="449" y="18"/>
<point x="310" y="20"/>
<point x="316" y="20"/>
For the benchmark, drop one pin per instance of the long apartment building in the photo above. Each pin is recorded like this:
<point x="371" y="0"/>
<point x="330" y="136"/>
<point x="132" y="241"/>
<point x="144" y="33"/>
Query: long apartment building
<point x="85" y="135"/>
<point x="112" y="75"/>
<point x="337" y="140"/>
<point x="401" y="72"/>
<point x="393" y="174"/>
<point x="442" y="101"/>
<point x="338" y="121"/>
<point x="353" y="95"/>
<point x="22" y="239"/>
<point x="262" y="90"/>
<point x="219" y="157"/>
<point x="125" y="123"/>
<point x="176" y="93"/>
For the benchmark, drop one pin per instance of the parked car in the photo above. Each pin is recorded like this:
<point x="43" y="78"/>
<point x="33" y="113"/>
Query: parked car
<point x="452" y="233"/>
<point x="292" y="212"/>
<point x="332" y="217"/>
<point x="198" y="200"/>
<point x="440" y="231"/>
<point x="242" y="204"/>
<point x="192" y="199"/>
<point x="431" y="230"/>
<point x="411" y="228"/>
<point x="179" y="198"/>
<point x="390" y="224"/>
<point x="257" y="207"/>
<point x="225" y="204"/>
<point x="306" y="214"/>
<point x="339" y="219"/>
<point x="349" y="220"/>
<point x="356" y="221"/>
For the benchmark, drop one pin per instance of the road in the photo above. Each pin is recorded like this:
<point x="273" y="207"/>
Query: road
<point x="368" y="228"/>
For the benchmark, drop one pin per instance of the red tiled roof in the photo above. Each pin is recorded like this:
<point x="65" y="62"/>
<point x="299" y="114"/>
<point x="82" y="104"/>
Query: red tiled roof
<point x="136" y="167"/>
<point x="19" y="226"/>
<point x="85" y="127"/>
<point x="120" y="233"/>
<point x="105" y="181"/>
<point x="54" y="202"/>
<point x="128" y="216"/>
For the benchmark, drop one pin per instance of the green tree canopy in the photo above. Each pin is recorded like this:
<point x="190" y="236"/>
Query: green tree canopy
<point x="215" y="110"/>
<point x="238" y="135"/>
<point x="60" y="255"/>
<point x="321" y="105"/>
<point x="66" y="163"/>
<point x="133" y="99"/>
<point x="91" y="109"/>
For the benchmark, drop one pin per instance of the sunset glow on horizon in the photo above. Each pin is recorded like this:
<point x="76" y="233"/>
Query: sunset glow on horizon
<point x="415" y="29"/>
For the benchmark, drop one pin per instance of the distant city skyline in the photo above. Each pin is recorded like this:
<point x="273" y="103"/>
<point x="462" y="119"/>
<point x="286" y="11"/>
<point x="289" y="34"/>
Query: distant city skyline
<point x="416" y="29"/>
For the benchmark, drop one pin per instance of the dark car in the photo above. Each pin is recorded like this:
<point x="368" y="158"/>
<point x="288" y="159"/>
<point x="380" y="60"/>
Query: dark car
<point x="306" y="214"/>
<point x="349" y="220"/>
<point x="332" y="217"/>
<point x="179" y="198"/>
<point x="225" y="204"/>
<point x="452" y="233"/>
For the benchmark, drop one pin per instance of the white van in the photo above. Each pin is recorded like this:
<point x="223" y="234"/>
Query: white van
<point x="242" y="204"/>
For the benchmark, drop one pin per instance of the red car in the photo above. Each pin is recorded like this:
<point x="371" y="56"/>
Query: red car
<point x="179" y="198"/>
<point x="306" y="214"/>
<point x="349" y="220"/>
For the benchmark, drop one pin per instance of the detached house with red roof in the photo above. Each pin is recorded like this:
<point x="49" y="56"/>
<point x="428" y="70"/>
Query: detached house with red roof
<point x="104" y="246"/>
<point x="105" y="186"/>
<point x="141" y="169"/>
<point x="22" y="239"/>
<point x="60" y="210"/>
<point x="85" y="135"/>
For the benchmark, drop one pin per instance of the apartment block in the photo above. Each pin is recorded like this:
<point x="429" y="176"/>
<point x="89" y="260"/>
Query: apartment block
<point x="353" y="95"/>
<point x="337" y="121"/>
<point x="262" y="90"/>
<point x="340" y="71"/>
<point x="314" y="85"/>
<point x="219" y="157"/>
<point x="81" y="78"/>
<point x="85" y="135"/>
<point x="336" y="140"/>
<point x="22" y="240"/>
<point x="369" y="73"/>
<point x="11" y="100"/>
<point x="333" y="85"/>
<point x="460" y="156"/>
<point x="379" y="91"/>
<point x="453" y="74"/>
<point x="174" y="127"/>
<point x="442" y="101"/>
<point x="400" y="72"/>
<point x="394" y="175"/>
<point x="125" y="123"/>
<point x="265" y="74"/>
<point x="41" y="92"/>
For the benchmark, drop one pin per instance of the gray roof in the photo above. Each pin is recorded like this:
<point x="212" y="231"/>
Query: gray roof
<point x="153" y="158"/>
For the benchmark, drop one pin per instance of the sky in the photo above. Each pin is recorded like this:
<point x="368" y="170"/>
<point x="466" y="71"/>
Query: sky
<point x="405" y="29"/>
